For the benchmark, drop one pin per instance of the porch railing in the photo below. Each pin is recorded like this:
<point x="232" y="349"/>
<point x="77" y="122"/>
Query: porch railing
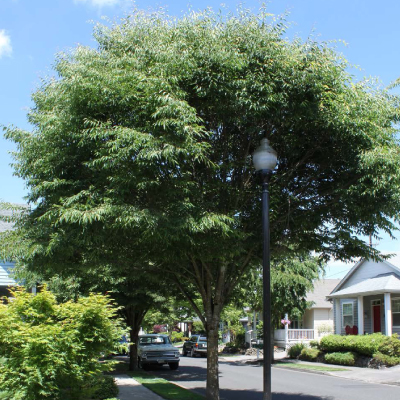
<point x="301" y="334"/>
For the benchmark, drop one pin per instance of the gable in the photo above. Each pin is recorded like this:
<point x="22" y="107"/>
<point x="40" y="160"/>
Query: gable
<point x="366" y="270"/>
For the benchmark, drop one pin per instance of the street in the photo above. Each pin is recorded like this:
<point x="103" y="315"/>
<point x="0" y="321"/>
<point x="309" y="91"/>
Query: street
<point x="240" y="381"/>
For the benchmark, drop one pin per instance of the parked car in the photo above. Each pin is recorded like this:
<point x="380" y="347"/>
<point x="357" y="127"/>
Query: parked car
<point x="197" y="344"/>
<point x="157" y="349"/>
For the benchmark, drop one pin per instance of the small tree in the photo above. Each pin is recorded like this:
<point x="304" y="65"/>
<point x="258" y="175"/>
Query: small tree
<point x="50" y="350"/>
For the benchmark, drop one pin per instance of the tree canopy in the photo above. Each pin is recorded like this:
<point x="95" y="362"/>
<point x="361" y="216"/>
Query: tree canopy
<point x="142" y="147"/>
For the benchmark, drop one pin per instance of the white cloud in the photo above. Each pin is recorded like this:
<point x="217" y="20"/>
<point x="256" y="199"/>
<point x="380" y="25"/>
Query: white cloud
<point x="98" y="3"/>
<point x="5" y="44"/>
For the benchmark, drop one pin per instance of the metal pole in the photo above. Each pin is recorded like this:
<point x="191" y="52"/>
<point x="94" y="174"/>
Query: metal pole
<point x="266" y="290"/>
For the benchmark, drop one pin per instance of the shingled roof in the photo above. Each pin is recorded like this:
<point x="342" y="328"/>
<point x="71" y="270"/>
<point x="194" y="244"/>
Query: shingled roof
<point x="322" y="288"/>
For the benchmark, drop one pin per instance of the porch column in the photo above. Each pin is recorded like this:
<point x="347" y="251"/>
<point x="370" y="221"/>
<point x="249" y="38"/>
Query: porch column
<point x="388" y="315"/>
<point x="360" y="306"/>
<point x="286" y="332"/>
<point x="338" y="319"/>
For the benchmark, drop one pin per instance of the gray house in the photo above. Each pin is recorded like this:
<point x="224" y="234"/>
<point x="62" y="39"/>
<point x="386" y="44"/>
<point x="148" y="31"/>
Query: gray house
<point x="367" y="299"/>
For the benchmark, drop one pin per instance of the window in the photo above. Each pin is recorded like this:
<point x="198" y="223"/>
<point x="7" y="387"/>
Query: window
<point x="396" y="312"/>
<point x="347" y="312"/>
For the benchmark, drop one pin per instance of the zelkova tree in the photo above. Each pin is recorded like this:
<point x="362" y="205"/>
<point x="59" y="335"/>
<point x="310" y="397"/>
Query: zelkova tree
<point x="148" y="139"/>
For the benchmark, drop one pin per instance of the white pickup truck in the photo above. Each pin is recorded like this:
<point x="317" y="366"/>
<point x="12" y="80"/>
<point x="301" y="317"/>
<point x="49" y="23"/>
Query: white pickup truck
<point x="155" y="349"/>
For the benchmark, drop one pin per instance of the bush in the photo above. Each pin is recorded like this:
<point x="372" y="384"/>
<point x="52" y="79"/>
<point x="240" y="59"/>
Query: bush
<point x="176" y="337"/>
<point x="383" y="359"/>
<point x="314" y="343"/>
<point x="390" y="346"/>
<point x="309" y="354"/>
<point x="106" y="388"/>
<point x="347" y="358"/>
<point x="295" y="350"/>
<point x="362" y="344"/>
<point x="50" y="350"/>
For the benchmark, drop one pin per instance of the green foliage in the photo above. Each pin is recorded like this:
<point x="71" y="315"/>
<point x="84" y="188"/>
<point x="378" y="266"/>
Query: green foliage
<point x="314" y="343"/>
<point x="390" y="346"/>
<point x="177" y="336"/>
<point x="309" y="354"/>
<point x="389" y="361"/>
<point x="341" y="358"/>
<point x="177" y="107"/>
<point x="362" y="344"/>
<point x="106" y="388"/>
<point x="198" y="327"/>
<point x="295" y="349"/>
<point x="50" y="349"/>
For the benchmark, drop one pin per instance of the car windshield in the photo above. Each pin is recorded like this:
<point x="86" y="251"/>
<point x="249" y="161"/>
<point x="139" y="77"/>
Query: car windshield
<point x="202" y="339"/>
<point x="147" y="340"/>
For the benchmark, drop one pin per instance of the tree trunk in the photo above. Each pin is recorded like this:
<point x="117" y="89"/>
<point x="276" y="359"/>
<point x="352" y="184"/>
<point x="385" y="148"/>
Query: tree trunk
<point x="212" y="391"/>
<point x="133" y="318"/>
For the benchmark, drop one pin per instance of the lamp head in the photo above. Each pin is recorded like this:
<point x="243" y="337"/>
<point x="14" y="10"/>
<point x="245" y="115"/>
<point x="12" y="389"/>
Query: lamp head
<point x="264" y="157"/>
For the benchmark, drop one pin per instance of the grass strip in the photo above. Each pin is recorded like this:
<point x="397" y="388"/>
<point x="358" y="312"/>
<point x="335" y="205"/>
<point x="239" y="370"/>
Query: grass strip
<point x="307" y="366"/>
<point x="164" y="388"/>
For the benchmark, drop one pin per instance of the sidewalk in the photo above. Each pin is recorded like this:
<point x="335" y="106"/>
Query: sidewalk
<point x="130" y="389"/>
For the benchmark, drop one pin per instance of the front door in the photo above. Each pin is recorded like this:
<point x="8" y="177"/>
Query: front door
<point x="376" y="315"/>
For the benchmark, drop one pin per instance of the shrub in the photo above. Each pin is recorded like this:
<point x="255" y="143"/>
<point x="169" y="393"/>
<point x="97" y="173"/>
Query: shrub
<point x="309" y="354"/>
<point x="390" y="346"/>
<point x="295" y="350"/>
<point x="176" y="336"/>
<point x="106" y="388"/>
<point x="347" y="358"/>
<point x="362" y="344"/>
<point x="384" y="359"/>
<point x="314" y="343"/>
<point x="50" y="350"/>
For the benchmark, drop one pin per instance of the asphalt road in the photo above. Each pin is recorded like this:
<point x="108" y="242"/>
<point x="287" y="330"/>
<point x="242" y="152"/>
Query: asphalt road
<point x="240" y="381"/>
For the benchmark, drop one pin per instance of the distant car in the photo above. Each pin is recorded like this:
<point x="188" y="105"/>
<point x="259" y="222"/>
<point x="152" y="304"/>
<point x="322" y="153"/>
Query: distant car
<point x="197" y="344"/>
<point x="155" y="349"/>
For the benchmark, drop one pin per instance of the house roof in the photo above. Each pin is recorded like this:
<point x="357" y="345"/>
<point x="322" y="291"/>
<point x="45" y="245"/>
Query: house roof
<point x="392" y="262"/>
<point x="389" y="282"/>
<point x="321" y="289"/>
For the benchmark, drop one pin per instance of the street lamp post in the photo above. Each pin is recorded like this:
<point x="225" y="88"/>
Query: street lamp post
<point x="264" y="160"/>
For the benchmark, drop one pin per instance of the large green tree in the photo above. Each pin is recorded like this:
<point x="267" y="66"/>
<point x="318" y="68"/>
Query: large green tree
<point x="146" y="143"/>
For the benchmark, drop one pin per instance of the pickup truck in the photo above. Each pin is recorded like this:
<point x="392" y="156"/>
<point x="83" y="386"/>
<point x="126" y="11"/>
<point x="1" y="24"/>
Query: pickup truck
<point x="197" y="344"/>
<point x="155" y="349"/>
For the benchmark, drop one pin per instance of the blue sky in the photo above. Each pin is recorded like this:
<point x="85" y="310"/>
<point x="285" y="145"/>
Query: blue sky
<point x="32" y="32"/>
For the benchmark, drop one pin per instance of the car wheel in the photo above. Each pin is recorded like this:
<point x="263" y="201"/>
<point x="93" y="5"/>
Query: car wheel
<point x="184" y="352"/>
<point x="173" y="366"/>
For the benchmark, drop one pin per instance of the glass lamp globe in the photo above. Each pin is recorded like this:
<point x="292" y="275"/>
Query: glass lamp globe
<point x="264" y="157"/>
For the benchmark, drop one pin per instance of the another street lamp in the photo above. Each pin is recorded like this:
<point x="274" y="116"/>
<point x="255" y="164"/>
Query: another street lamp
<point x="264" y="160"/>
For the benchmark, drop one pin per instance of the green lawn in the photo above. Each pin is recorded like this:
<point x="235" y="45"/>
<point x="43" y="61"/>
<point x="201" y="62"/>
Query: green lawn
<point x="163" y="388"/>
<point x="308" y="366"/>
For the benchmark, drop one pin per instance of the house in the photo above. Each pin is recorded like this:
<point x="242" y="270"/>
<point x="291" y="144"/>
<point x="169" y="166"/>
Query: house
<point x="6" y="267"/>
<point x="317" y="320"/>
<point x="367" y="299"/>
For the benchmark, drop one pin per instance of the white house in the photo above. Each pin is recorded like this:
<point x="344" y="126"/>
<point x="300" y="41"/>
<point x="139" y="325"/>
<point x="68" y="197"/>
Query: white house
<point x="367" y="299"/>
<point x="317" y="320"/>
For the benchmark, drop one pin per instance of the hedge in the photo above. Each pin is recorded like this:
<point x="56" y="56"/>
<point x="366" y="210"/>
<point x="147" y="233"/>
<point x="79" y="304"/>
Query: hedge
<point x="341" y="358"/>
<point x="309" y="354"/>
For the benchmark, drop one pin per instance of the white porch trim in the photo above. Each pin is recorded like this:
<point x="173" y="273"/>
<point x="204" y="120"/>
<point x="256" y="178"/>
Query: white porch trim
<point x="360" y="306"/>
<point x="338" y="318"/>
<point x="388" y="314"/>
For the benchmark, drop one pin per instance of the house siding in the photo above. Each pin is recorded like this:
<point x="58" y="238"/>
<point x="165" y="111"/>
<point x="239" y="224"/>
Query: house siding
<point x="366" y="271"/>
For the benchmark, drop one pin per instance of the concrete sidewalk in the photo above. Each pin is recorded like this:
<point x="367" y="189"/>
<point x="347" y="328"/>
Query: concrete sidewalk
<point x="130" y="389"/>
